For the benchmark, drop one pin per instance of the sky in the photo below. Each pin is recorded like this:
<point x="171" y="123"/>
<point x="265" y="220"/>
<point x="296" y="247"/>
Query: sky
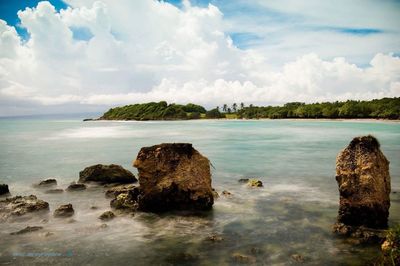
<point x="70" y="56"/>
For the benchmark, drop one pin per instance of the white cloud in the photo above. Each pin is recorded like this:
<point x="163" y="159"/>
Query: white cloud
<point x="149" y="51"/>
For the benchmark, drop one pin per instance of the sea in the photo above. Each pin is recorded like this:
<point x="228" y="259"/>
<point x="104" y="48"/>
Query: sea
<point x="287" y="221"/>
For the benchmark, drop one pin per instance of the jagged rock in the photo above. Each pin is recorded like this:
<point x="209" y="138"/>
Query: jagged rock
<point x="21" y="205"/>
<point x="106" y="216"/>
<point x="174" y="177"/>
<point x="126" y="201"/>
<point x="362" y="174"/>
<point x="54" y="191"/>
<point x="76" y="187"/>
<point x="4" y="189"/>
<point x="106" y="174"/>
<point x="47" y="183"/>
<point x="64" y="211"/>
<point x="254" y="183"/>
<point x="27" y="229"/>
<point x="115" y="191"/>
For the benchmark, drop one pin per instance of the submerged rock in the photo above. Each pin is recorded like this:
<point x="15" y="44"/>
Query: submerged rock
<point x="27" y="229"/>
<point x="76" y="187"/>
<point x="21" y="205"/>
<point x="243" y="180"/>
<point x="4" y="189"/>
<point x="297" y="258"/>
<point x="226" y="193"/>
<point x="115" y="191"/>
<point x="254" y="183"/>
<point x="360" y="234"/>
<point x="64" y="211"/>
<point x="362" y="174"/>
<point x="215" y="238"/>
<point x="106" y="216"/>
<point x="173" y="177"/>
<point x="47" y="183"/>
<point x="106" y="174"/>
<point x="54" y="191"/>
<point x="215" y="194"/>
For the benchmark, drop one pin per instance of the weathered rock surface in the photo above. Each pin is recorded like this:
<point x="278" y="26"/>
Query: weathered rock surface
<point x="76" y="187"/>
<point x="106" y="174"/>
<point x="362" y="174"/>
<point x="173" y="177"/>
<point x="64" y="211"/>
<point x="127" y="201"/>
<point x="47" y="183"/>
<point x="254" y="183"/>
<point x="360" y="234"/>
<point x="21" y="205"/>
<point x="27" y="229"/>
<point x="4" y="189"/>
<point x="115" y="191"/>
<point x="106" y="216"/>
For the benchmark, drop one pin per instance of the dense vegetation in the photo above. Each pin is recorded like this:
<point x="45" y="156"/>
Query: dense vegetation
<point x="155" y="111"/>
<point x="386" y="108"/>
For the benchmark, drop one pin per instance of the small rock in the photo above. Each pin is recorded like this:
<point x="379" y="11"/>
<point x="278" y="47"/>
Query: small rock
<point x="254" y="183"/>
<point x="94" y="207"/>
<point x="64" y="211"/>
<point x="54" y="191"/>
<point x="76" y="187"/>
<point x="215" y="238"/>
<point x="106" y="216"/>
<point x="362" y="235"/>
<point x="243" y="180"/>
<point x="47" y="234"/>
<point x="242" y="258"/>
<point x="103" y="226"/>
<point x="27" y="229"/>
<point x="47" y="183"/>
<point x="215" y="194"/>
<point x="297" y="258"/>
<point x="4" y="189"/>
<point x="126" y="201"/>
<point x="226" y="193"/>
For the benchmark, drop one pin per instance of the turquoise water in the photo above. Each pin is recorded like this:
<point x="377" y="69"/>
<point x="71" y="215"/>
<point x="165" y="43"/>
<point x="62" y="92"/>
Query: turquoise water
<point x="292" y="214"/>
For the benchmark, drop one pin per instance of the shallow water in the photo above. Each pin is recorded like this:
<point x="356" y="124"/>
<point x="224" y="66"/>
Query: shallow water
<point x="292" y="214"/>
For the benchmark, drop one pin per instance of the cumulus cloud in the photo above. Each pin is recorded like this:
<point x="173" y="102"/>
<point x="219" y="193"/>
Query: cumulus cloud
<point x="140" y="51"/>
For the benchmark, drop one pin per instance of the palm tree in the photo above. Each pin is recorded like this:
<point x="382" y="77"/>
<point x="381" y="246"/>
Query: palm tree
<point x="217" y="108"/>
<point x="225" y="107"/>
<point x="229" y="110"/>
<point x="234" y="107"/>
<point x="241" y="105"/>
<point x="251" y="105"/>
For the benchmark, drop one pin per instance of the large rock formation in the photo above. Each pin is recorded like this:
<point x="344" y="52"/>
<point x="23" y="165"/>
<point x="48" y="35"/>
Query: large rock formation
<point x="173" y="177"/>
<point x="18" y="206"/>
<point x="106" y="174"/>
<point x="362" y="173"/>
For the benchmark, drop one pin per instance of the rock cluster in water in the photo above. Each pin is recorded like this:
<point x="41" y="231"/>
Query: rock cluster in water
<point x="173" y="177"/>
<point x="106" y="174"/>
<point x="21" y="205"/>
<point x="362" y="173"/>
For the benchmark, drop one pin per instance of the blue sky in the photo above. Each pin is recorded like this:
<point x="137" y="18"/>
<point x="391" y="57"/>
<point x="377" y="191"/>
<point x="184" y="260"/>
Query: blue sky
<point x="97" y="54"/>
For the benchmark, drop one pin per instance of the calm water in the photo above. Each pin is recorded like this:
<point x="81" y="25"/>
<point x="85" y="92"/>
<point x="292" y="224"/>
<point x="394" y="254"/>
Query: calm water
<point x="292" y="214"/>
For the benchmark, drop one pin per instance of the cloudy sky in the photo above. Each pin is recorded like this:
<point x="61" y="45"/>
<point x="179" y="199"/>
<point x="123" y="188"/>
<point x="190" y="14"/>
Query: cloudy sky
<point x="85" y="55"/>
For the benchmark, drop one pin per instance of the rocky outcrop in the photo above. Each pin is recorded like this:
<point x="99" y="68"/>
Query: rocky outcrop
<point x="173" y="177"/>
<point x="4" y="189"/>
<point x="115" y="191"/>
<point x="20" y="206"/>
<point x="106" y="174"/>
<point x="27" y="229"/>
<point x="47" y="183"/>
<point x="254" y="183"/>
<point x="362" y="173"/>
<point x="76" y="187"/>
<point x="127" y="201"/>
<point x="64" y="211"/>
